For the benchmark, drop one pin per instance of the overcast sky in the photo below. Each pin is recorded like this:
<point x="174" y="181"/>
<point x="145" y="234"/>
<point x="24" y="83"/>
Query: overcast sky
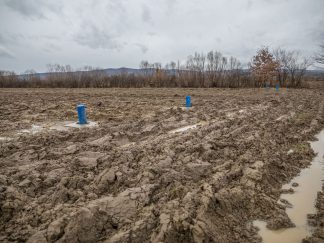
<point x="121" y="33"/>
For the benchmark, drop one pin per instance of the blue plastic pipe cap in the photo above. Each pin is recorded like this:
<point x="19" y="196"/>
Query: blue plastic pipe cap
<point x="188" y="101"/>
<point x="82" y="116"/>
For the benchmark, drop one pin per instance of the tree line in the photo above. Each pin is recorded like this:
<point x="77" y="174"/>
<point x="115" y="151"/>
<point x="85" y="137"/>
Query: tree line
<point x="200" y="70"/>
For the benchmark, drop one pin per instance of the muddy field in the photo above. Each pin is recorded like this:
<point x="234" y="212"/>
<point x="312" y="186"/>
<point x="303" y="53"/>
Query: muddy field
<point x="134" y="178"/>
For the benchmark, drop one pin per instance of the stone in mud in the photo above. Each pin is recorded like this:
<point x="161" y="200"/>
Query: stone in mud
<point x="198" y="169"/>
<point x="106" y="178"/>
<point x="24" y="183"/>
<point x="252" y="174"/>
<point x="53" y="177"/>
<point x="281" y="221"/>
<point x="257" y="164"/>
<point x="86" y="162"/>
<point x="312" y="220"/>
<point x="101" y="141"/>
<point x="37" y="238"/>
<point x="89" y="159"/>
<point x="295" y="184"/>
<point x="55" y="230"/>
<point x="247" y="157"/>
<point x="166" y="163"/>
<point x="164" y="226"/>
<point x="83" y="227"/>
<point x="149" y="128"/>
<point x="238" y="131"/>
<point x="71" y="149"/>
<point x="118" y="175"/>
<point x="119" y="237"/>
<point x="3" y="180"/>
<point x="139" y="231"/>
<point x="170" y="176"/>
<point x="286" y="203"/>
<point x="287" y="191"/>
<point x="2" y="189"/>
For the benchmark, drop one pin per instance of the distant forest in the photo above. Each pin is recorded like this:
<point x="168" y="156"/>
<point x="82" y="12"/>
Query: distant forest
<point x="267" y="68"/>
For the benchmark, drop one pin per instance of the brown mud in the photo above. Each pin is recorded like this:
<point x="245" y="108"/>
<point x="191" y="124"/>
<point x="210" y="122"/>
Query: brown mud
<point x="131" y="179"/>
<point x="317" y="220"/>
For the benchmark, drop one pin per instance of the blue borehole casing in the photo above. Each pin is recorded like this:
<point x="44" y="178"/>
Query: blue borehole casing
<point x="82" y="116"/>
<point x="277" y="87"/>
<point x="188" y="101"/>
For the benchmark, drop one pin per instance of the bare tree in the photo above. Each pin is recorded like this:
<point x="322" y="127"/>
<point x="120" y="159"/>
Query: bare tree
<point x="292" y="67"/>
<point x="196" y="66"/>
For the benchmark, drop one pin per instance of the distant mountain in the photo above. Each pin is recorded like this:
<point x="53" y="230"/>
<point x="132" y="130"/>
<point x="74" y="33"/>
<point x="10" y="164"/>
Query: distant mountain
<point x="318" y="72"/>
<point x="107" y="71"/>
<point x="125" y="70"/>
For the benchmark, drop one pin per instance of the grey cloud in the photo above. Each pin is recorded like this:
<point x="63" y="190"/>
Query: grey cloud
<point x="52" y="48"/>
<point x="11" y="39"/>
<point x="115" y="5"/>
<point x="152" y="33"/>
<point x="6" y="38"/>
<point x="33" y="8"/>
<point x="93" y="37"/>
<point x="2" y="39"/>
<point x="146" y="15"/>
<point x="218" y="40"/>
<point x="171" y="4"/>
<point x="249" y="4"/>
<point x="4" y="53"/>
<point x="142" y="47"/>
<point x="81" y="32"/>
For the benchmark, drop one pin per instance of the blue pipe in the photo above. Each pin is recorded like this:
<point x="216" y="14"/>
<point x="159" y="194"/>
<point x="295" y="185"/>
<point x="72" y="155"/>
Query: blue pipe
<point x="188" y="101"/>
<point x="82" y="116"/>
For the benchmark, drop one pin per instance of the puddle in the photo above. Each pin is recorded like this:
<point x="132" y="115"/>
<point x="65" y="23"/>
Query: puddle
<point x="302" y="200"/>
<point x="33" y="130"/>
<point x="59" y="126"/>
<point x="183" y="129"/>
<point x="77" y="125"/>
<point x="286" y="117"/>
<point x="5" y="139"/>
<point x="238" y="114"/>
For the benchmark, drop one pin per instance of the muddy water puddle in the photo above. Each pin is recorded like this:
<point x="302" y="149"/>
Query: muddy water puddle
<point x="47" y="127"/>
<point x="183" y="129"/>
<point x="190" y="127"/>
<point x="303" y="200"/>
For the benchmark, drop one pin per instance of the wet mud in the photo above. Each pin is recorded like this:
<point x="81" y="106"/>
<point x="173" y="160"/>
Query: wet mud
<point x="299" y="197"/>
<point x="132" y="178"/>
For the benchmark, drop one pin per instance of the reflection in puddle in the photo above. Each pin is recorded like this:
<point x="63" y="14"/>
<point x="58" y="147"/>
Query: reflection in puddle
<point x="303" y="200"/>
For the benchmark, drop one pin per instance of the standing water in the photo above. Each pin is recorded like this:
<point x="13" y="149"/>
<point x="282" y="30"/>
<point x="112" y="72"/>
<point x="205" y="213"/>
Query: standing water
<point x="302" y="200"/>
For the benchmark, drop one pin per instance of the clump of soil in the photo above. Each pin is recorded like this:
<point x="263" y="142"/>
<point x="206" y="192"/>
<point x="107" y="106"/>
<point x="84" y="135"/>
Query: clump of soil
<point x="317" y="220"/>
<point x="130" y="179"/>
